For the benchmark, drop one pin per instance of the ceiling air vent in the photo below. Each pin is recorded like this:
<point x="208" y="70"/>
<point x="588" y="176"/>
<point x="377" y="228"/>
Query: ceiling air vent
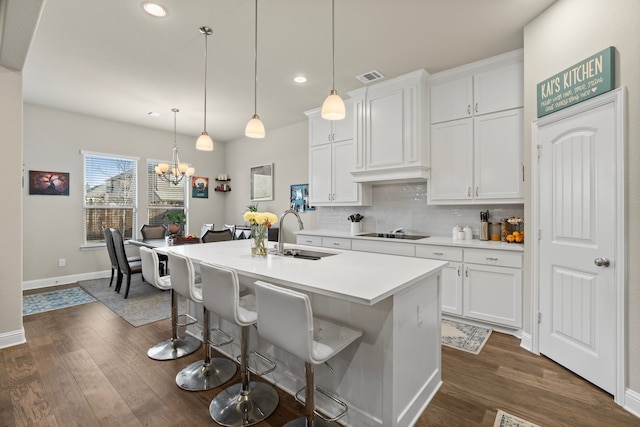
<point x="370" y="76"/>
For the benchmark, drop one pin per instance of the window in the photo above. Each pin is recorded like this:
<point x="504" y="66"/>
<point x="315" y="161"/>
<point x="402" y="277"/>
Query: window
<point x="109" y="195"/>
<point x="163" y="196"/>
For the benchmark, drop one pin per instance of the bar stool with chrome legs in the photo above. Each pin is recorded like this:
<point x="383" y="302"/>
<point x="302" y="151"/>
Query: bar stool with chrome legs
<point x="248" y="402"/>
<point x="175" y="347"/>
<point x="210" y="372"/>
<point x="286" y="320"/>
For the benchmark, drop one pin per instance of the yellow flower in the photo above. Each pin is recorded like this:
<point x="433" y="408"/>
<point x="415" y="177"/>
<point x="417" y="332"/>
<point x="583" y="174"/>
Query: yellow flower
<point x="260" y="218"/>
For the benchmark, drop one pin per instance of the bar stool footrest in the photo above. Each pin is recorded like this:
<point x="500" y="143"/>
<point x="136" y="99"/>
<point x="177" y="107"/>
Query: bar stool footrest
<point x="339" y="402"/>
<point x="184" y="320"/>
<point x="218" y="338"/>
<point x="270" y="363"/>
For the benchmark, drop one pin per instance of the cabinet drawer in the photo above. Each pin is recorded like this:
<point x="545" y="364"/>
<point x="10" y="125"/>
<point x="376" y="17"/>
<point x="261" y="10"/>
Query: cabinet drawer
<point x="446" y="253"/>
<point x="336" y="243"/>
<point x="389" y="248"/>
<point x="309" y="240"/>
<point x="489" y="257"/>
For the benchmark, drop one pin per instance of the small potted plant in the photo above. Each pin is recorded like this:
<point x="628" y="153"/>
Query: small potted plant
<point x="176" y="220"/>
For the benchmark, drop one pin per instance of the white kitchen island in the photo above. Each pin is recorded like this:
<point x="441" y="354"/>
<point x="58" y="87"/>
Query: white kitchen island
<point x="389" y="376"/>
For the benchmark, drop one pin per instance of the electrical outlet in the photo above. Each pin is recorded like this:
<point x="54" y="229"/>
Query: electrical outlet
<point x="62" y="262"/>
<point x="420" y="313"/>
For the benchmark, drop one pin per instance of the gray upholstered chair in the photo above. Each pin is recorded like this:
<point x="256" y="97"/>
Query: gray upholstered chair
<point x="111" y="250"/>
<point x="217" y="236"/>
<point x="125" y="267"/>
<point x="153" y="231"/>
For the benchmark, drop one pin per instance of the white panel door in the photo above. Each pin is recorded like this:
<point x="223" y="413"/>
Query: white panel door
<point x="577" y="187"/>
<point x="320" y="185"/>
<point x="385" y="129"/>
<point x="452" y="288"/>
<point x="344" y="189"/>
<point x="452" y="160"/>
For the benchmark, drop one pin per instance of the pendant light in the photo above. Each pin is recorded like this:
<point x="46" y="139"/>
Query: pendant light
<point x="176" y="171"/>
<point x="204" y="142"/>
<point x="333" y="106"/>
<point x="255" y="127"/>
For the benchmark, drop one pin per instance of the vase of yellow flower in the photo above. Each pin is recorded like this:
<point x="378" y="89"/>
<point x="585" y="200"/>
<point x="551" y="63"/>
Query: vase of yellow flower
<point x="260" y="223"/>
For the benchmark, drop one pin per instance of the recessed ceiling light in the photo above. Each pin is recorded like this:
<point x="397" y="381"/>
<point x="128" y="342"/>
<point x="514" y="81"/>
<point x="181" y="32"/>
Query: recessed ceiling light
<point x="300" y="79"/>
<point x="154" y="9"/>
<point x="155" y="115"/>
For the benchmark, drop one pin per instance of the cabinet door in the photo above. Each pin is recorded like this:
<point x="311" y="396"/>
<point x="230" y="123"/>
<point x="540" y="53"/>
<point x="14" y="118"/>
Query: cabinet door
<point x="493" y="294"/>
<point x="343" y="129"/>
<point x="452" y="288"/>
<point x="320" y="130"/>
<point x="385" y="128"/>
<point x="344" y="189"/>
<point x="320" y="188"/>
<point x="451" y="100"/>
<point x="498" y="169"/>
<point x="451" y="161"/>
<point x="499" y="89"/>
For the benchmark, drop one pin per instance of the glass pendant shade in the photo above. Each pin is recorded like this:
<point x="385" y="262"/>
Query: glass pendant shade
<point x="333" y="107"/>
<point x="255" y="128"/>
<point x="204" y="142"/>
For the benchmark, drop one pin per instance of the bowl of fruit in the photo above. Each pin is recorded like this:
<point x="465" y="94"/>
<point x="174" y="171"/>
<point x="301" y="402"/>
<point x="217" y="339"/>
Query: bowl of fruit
<point x="515" y="230"/>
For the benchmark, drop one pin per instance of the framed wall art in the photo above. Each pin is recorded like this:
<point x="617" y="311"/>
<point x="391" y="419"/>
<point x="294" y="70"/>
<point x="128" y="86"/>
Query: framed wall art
<point x="261" y="182"/>
<point x="300" y="198"/>
<point x="200" y="187"/>
<point x="49" y="183"/>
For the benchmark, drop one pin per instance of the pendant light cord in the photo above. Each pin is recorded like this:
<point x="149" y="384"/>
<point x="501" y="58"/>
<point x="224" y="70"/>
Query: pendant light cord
<point x="333" y="47"/>
<point x="255" y="64"/>
<point x="206" y="31"/>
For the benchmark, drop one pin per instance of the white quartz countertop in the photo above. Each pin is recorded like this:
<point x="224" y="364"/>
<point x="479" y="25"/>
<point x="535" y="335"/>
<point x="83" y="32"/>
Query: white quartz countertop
<point x="360" y="277"/>
<point x="443" y="241"/>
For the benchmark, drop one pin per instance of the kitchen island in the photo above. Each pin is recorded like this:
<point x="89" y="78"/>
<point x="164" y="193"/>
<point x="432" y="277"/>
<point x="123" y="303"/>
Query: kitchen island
<point x="389" y="376"/>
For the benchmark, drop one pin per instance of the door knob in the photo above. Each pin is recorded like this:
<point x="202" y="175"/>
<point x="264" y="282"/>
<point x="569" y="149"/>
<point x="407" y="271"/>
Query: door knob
<point x="601" y="262"/>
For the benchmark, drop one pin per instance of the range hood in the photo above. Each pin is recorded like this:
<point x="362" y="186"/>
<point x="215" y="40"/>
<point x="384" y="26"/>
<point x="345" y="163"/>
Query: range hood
<point x="392" y="175"/>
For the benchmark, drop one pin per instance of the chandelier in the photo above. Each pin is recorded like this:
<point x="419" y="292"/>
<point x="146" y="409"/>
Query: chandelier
<point x="176" y="171"/>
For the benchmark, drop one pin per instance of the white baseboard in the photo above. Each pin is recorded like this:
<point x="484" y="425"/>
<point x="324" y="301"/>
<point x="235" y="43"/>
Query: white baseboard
<point x="9" y="339"/>
<point x="527" y="341"/>
<point x="63" y="280"/>
<point x="632" y="402"/>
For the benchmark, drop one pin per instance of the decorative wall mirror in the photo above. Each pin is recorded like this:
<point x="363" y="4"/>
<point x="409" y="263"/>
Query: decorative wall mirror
<point x="262" y="182"/>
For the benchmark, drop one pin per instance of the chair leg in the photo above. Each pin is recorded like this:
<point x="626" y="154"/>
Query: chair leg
<point x="118" y="281"/>
<point x="247" y="402"/>
<point x="175" y="347"/>
<point x="126" y="291"/>
<point x="113" y="270"/>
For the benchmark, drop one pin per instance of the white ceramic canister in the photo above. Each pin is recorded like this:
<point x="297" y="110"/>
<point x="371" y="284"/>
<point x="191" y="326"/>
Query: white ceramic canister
<point x="456" y="232"/>
<point x="468" y="233"/>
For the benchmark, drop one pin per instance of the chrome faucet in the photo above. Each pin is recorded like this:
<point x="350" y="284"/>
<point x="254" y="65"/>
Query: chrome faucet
<point x="281" y="232"/>
<point x="397" y="230"/>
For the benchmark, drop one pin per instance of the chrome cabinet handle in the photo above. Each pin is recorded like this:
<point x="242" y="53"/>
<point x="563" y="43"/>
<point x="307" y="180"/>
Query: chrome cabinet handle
<point x="438" y="253"/>
<point x="329" y="137"/>
<point x="602" y="262"/>
<point x="469" y="109"/>
<point x="491" y="259"/>
<point x="477" y="189"/>
<point x="468" y="191"/>
<point x="476" y="107"/>
<point x="458" y="271"/>
<point x="466" y="272"/>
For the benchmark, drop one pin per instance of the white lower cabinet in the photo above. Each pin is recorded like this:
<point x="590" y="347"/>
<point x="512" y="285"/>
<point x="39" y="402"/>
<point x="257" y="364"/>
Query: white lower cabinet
<point x="303" y="239"/>
<point x="451" y="275"/>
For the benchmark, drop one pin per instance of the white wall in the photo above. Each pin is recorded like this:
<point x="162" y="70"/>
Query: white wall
<point x="11" y="331"/>
<point x="53" y="224"/>
<point x="566" y="33"/>
<point x="287" y="149"/>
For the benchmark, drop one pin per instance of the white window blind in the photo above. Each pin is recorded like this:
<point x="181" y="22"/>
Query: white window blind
<point x="109" y="195"/>
<point x="163" y="196"/>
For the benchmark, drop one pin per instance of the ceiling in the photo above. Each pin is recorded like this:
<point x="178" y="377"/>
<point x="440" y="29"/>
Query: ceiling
<point x="107" y="58"/>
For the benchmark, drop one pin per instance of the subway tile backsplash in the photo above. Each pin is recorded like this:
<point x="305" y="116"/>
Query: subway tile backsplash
<point x="405" y="205"/>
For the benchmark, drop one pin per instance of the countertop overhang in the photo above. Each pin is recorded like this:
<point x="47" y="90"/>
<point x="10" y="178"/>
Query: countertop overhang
<point x="360" y="277"/>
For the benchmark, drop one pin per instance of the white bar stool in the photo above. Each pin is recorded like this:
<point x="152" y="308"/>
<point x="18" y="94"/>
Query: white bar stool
<point x="285" y="319"/>
<point x="210" y="372"/>
<point x="175" y="347"/>
<point x="248" y="402"/>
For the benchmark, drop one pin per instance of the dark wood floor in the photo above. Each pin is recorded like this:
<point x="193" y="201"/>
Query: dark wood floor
<point x="85" y="366"/>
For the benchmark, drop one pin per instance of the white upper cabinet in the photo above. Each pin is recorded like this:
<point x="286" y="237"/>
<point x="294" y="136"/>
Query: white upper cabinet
<point x="391" y="134"/>
<point x="477" y="133"/>
<point x="332" y="157"/>
<point x="486" y="89"/>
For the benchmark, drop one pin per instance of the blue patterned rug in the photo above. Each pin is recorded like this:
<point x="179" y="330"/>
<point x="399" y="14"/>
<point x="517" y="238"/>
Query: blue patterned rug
<point x="464" y="337"/>
<point x="53" y="300"/>
<point x="507" y="420"/>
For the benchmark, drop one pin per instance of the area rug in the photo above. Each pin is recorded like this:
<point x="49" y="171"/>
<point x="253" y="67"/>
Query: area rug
<point x="145" y="303"/>
<point x="54" y="300"/>
<point x="464" y="337"/>
<point x="507" y="420"/>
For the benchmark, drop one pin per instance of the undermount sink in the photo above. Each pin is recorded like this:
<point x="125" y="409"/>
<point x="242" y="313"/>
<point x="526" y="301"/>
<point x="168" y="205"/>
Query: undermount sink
<point x="306" y="254"/>
<point x="394" y="236"/>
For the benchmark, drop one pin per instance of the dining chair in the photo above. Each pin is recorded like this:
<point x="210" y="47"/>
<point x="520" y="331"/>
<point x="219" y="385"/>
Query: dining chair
<point x="205" y="228"/>
<point x="217" y="236"/>
<point x="111" y="250"/>
<point x="153" y="231"/>
<point x="125" y="267"/>
<point x="232" y="228"/>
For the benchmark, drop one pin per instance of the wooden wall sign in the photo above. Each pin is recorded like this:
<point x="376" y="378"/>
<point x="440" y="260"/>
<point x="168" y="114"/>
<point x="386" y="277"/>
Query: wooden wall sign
<point x="588" y="78"/>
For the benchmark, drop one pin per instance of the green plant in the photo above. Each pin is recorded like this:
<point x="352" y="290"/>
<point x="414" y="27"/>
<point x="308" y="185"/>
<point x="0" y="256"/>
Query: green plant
<point x="253" y="207"/>
<point x="176" y="217"/>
